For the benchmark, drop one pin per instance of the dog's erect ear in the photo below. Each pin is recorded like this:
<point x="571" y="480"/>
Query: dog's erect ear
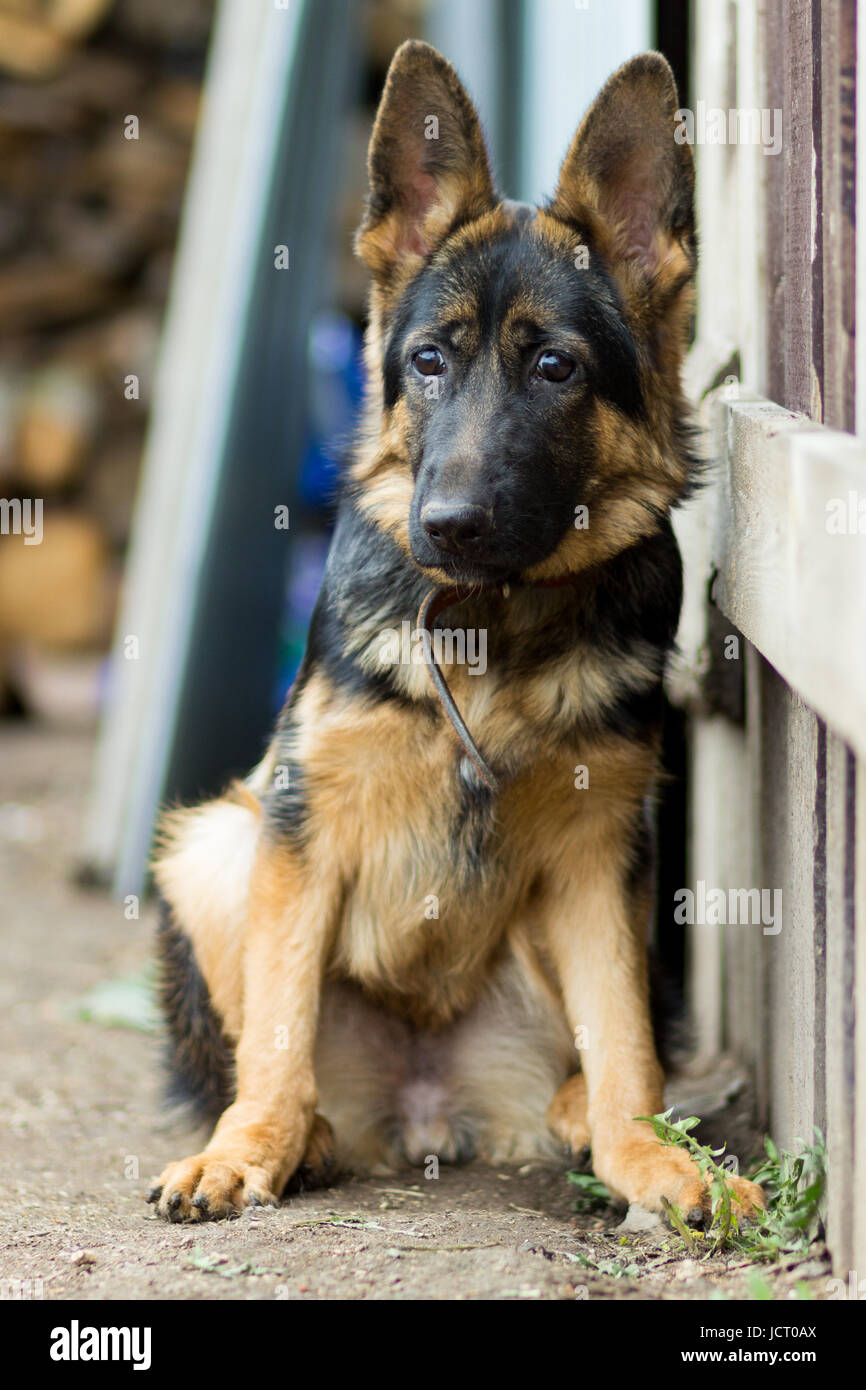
<point x="427" y="162"/>
<point x="626" y="164"/>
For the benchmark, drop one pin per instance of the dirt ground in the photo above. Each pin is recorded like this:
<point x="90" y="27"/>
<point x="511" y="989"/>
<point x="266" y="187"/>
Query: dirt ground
<point x="84" y="1130"/>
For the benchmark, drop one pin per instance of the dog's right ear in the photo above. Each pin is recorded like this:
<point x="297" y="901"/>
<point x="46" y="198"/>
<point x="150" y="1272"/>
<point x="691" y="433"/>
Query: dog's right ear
<point x="427" y="163"/>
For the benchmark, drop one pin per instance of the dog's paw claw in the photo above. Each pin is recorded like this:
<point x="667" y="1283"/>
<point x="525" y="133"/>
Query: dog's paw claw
<point x="210" y="1187"/>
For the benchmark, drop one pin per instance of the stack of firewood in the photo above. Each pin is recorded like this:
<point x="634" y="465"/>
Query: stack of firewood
<point x="98" y="108"/>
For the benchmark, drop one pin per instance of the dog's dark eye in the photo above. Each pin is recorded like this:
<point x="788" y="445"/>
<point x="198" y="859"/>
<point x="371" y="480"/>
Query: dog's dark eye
<point x="428" y="361"/>
<point x="554" y="366"/>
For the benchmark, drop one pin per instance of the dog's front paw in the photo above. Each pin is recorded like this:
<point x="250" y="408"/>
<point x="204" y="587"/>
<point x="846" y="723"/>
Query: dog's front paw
<point x="248" y="1166"/>
<point x="646" y="1171"/>
<point x="209" y="1187"/>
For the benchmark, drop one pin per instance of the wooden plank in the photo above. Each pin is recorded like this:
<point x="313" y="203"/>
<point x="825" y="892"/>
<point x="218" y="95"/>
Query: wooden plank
<point x="835" y="228"/>
<point x="859" y="296"/>
<point x="735" y="837"/>
<point x="859" y="1182"/>
<point x="748" y="205"/>
<point x="839" y="1038"/>
<point x="718" y="850"/>
<point x="791" y="759"/>
<point x="790" y="203"/>
<point x="772" y="310"/>
<point x="795" y="588"/>
<point x="713" y="81"/>
<point x="754" y="973"/>
<point x="834" y="254"/>
<point x="730" y="192"/>
<point x="859" y="1177"/>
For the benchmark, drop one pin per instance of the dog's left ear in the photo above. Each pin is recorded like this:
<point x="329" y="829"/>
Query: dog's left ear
<point x="427" y="162"/>
<point x="625" y="163"/>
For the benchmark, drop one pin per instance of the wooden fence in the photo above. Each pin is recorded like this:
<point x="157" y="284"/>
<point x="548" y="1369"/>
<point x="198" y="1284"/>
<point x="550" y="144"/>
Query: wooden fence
<point x="773" y="666"/>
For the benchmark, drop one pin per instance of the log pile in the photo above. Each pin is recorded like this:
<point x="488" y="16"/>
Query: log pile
<point x="98" y="109"/>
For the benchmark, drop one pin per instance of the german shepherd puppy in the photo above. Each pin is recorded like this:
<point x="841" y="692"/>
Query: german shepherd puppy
<point x="427" y="907"/>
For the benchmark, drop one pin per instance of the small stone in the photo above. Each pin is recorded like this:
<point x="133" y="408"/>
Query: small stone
<point x="82" y="1258"/>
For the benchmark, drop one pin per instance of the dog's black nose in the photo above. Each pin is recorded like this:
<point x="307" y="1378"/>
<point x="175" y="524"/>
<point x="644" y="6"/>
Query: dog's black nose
<point x="458" y="528"/>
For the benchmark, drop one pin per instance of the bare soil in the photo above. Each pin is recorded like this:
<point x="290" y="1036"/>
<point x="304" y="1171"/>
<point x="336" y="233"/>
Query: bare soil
<point x="84" y="1131"/>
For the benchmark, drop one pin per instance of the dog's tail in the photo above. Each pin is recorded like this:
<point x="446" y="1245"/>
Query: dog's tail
<point x="198" y="1055"/>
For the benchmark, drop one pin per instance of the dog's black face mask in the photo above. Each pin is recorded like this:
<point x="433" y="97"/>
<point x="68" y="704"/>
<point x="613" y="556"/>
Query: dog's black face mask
<point x="498" y="352"/>
<point x="529" y="358"/>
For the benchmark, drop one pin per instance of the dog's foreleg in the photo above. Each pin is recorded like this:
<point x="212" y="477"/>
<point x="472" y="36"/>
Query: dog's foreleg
<point x="263" y="1136"/>
<point x="597" y="943"/>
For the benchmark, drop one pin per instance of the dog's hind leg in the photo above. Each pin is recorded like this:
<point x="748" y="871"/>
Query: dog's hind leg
<point x="224" y="953"/>
<point x="567" y="1113"/>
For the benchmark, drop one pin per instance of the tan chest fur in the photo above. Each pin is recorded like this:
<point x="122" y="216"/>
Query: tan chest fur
<point x="433" y="875"/>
